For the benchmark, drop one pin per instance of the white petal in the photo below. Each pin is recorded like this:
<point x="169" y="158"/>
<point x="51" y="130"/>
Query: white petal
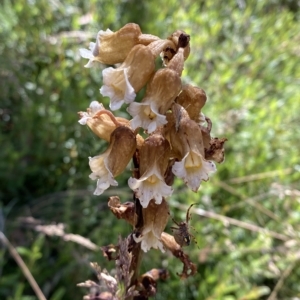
<point x="85" y="53"/>
<point x="104" y="33"/>
<point x="95" y="106"/>
<point x="100" y="172"/>
<point x="115" y="100"/>
<point x="84" y="117"/>
<point x="151" y="127"/>
<point x="92" y="46"/>
<point x="101" y="187"/>
<point x="134" y="183"/>
<point x="135" y="122"/>
<point x="178" y="169"/>
<point x="151" y="241"/>
<point x="194" y="175"/>
<point x="145" y="191"/>
<point x="117" y="87"/>
<point x="141" y="119"/>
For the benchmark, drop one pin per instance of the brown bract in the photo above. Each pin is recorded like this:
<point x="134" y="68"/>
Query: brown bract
<point x="122" y="147"/>
<point x="155" y="150"/>
<point x="156" y="215"/>
<point x="163" y="89"/>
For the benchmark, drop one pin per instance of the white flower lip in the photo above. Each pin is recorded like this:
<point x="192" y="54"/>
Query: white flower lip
<point x="193" y="175"/>
<point x="149" y="240"/>
<point x="101" y="172"/>
<point x="85" y="53"/>
<point x="150" y="186"/>
<point x="117" y="87"/>
<point x="142" y="119"/>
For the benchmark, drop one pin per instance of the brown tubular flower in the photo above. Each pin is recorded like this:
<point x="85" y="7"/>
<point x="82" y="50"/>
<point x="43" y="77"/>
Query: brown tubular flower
<point x="101" y="121"/>
<point x="187" y="147"/>
<point x="185" y="134"/>
<point x="155" y="218"/>
<point x="114" y="160"/>
<point x="122" y="84"/>
<point x="123" y="146"/>
<point x="161" y="91"/>
<point x="153" y="162"/>
<point x="112" y="47"/>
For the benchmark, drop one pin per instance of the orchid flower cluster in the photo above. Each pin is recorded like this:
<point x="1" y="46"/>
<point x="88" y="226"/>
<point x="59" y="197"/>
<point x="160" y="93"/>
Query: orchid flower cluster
<point x="167" y="134"/>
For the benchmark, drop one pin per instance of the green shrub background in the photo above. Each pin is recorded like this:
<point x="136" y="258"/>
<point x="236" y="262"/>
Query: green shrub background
<point x="244" y="54"/>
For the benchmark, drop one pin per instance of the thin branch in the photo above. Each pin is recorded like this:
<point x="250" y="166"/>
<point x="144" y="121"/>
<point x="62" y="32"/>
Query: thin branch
<point x="282" y="278"/>
<point x="231" y="221"/>
<point x="251" y="201"/>
<point x="260" y="176"/>
<point x="13" y="252"/>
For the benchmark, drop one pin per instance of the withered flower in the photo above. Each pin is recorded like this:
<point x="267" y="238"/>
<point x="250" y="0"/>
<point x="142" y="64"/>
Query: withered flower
<point x="154" y="156"/>
<point x="114" y="160"/>
<point x="155" y="220"/>
<point x="122" y="210"/>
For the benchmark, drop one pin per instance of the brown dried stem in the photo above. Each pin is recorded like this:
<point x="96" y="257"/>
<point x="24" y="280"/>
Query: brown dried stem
<point x="231" y="221"/>
<point x="18" y="259"/>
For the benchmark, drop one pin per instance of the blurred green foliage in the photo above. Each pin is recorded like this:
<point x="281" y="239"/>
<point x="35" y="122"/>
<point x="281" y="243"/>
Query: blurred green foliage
<point x="244" y="54"/>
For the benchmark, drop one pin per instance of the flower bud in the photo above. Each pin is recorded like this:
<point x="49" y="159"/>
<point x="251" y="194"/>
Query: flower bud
<point x="169" y="52"/>
<point x="177" y="61"/>
<point x="192" y="99"/>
